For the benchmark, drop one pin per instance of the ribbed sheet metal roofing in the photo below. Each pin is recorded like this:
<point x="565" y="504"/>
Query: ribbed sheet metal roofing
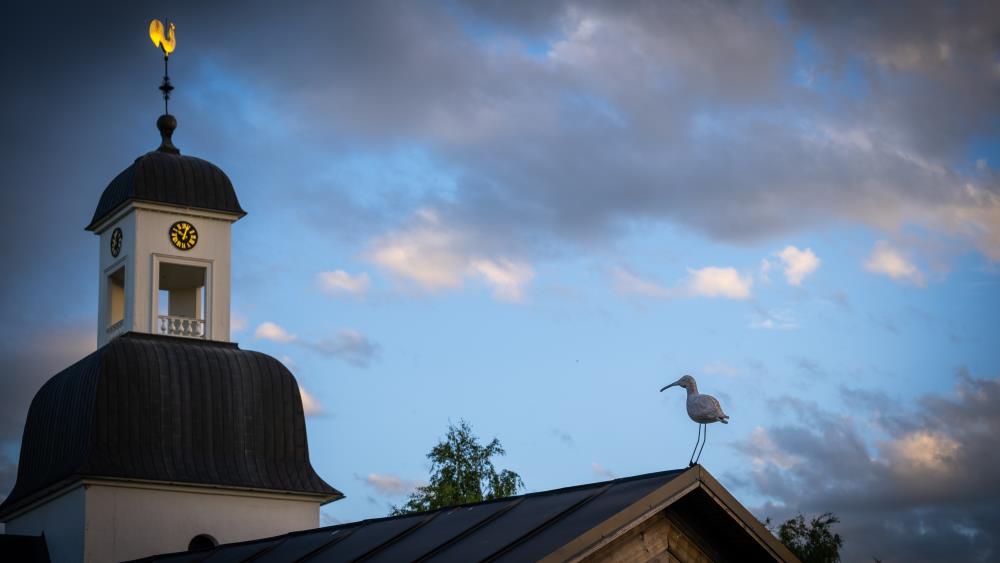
<point x="522" y="528"/>
<point x="173" y="179"/>
<point x="168" y="409"/>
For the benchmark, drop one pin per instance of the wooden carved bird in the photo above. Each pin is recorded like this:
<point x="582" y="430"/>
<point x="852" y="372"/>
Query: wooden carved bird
<point x="165" y="42"/>
<point x="703" y="409"/>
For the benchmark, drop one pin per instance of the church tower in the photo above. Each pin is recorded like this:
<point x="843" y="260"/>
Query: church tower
<point x="168" y="437"/>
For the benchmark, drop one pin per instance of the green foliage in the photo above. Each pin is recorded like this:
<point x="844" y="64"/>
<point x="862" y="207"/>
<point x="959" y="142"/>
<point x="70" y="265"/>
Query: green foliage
<point x="461" y="472"/>
<point x="813" y="542"/>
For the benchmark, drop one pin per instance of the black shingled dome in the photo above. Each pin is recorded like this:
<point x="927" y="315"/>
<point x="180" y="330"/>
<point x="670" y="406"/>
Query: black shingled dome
<point x="166" y="176"/>
<point x="168" y="409"/>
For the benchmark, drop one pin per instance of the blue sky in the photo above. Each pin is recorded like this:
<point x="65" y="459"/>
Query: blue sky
<point x="534" y="216"/>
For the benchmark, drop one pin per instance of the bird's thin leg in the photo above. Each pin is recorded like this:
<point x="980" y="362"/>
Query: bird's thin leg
<point x="691" y="461"/>
<point x="703" y="440"/>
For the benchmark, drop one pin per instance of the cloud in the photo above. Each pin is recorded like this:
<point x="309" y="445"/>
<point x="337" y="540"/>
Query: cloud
<point x="718" y="282"/>
<point x="888" y="261"/>
<point x="764" y="270"/>
<point x="564" y="437"/>
<point x="339" y="282"/>
<point x="29" y="356"/>
<point x="721" y="368"/>
<point x="915" y="484"/>
<point x="310" y="406"/>
<point x="238" y="322"/>
<point x="273" y="332"/>
<point x="390" y="485"/>
<point x="348" y="345"/>
<point x="437" y="256"/>
<point x="710" y="282"/>
<point x="601" y="471"/>
<point x="774" y="319"/>
<point x="627" y="283"/>
<point x="507" y="278"/>
<point x="798" y="263"/>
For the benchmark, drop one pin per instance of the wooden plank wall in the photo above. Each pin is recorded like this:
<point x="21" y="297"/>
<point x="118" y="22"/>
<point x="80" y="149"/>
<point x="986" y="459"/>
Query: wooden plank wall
<point x="657" y="540"/>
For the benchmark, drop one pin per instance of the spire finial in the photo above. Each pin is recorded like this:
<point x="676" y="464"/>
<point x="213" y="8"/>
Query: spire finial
<point x="166" y="43"/>
<point x="166" y="124"/>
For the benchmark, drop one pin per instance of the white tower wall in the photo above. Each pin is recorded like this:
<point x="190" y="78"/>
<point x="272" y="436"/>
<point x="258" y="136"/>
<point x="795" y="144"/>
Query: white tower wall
<point x="145" y="249"/>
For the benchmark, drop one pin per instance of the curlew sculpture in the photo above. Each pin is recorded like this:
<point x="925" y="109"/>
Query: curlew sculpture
<point x="703" y="409"/>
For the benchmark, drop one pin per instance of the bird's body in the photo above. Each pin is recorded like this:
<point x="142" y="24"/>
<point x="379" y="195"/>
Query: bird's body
<point x="703" y="409"/>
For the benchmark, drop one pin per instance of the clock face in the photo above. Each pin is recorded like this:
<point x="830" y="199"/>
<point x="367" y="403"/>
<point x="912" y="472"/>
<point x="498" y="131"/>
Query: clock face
<point x="183" y="235"/>
<point x="116" y="242"/>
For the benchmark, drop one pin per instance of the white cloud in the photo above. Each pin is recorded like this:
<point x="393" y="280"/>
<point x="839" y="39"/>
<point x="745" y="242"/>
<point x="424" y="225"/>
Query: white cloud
<point x="628" y="283"/>
<point x="921" y="451"/>
<point x="765" y="270"/>
<point x="426" y="253"/>
<point x="310" y="406"/>
<point x="719" y="282"/>
<point x="273" y="332"/>
<point x="776" y="319"/>
<point x="721" y="368"/>
<point x="888" y="261"/>
<point x="390" y="485"/>
<point x="289" y="363"/>
<point x="339" y="282"/>
<point x="508" y="278"/>
<point x="237" y="322"/>
<point x="602" y="471"/>
<point x="798" y="263"/>
<point x="437" y="256"/>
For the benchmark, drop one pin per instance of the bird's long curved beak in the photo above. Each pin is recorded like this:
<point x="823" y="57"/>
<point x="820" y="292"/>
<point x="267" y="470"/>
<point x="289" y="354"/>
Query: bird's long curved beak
<point x="665" y="387"/>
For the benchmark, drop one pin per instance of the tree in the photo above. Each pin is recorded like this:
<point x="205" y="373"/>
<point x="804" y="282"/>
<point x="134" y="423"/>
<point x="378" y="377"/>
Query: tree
<point x="462" y="471"/>
<point x="813" y="542"/>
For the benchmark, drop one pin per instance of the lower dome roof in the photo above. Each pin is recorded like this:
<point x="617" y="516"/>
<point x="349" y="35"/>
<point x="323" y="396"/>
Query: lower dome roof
<point x="159" y="408"/>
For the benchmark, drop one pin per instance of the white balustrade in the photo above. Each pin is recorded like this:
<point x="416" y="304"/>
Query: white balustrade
<point x="182" y="326"/>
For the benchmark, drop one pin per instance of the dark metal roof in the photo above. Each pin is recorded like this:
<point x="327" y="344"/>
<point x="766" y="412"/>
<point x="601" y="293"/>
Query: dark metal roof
<point x="164" y="177"/>
<point x="25" y="549"/>
<point x="522" y="528"/>
<point x="168" y="409"/>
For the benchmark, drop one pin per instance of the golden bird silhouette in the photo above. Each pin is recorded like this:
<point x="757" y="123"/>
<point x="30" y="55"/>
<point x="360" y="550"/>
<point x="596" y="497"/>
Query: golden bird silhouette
<point x="165" y="42"/>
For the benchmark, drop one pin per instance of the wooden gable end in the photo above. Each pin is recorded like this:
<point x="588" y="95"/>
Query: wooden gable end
<point x="692" y="518"/>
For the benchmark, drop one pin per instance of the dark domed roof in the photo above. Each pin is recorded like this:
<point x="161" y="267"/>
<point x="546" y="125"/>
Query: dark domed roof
<point x="167" y="409"/>
<point x="166" y="176"/>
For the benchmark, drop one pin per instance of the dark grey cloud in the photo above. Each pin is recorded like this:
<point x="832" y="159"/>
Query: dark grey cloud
<point x="909" y="484"/>
<point x="702" y="115"/>
<point x="348" y="345"/>
<point x="28" y="358"/>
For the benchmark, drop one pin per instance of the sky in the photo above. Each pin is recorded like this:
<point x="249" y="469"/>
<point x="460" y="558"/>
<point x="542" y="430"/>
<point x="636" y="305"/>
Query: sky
<point x="532" y="216"/>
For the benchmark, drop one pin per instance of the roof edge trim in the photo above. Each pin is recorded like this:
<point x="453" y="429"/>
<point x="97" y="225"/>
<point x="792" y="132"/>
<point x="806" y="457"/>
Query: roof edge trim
<point x="103" y="222"/>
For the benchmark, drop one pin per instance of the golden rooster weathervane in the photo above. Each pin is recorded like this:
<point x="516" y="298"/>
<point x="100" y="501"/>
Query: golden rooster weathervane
<point x="166" y="43"/>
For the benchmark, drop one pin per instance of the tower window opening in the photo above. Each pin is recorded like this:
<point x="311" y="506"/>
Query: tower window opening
<point x="116" y="302"/>
<point x="182" y="300"/>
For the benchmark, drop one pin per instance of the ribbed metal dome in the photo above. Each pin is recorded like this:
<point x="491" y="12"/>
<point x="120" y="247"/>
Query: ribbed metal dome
<point x="159" y="408"/>
<point x="166" y="176"/>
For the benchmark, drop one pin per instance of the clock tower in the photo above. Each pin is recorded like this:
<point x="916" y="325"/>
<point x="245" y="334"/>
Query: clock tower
<point x="164" y="257"/>
<point x="168" y="436"/>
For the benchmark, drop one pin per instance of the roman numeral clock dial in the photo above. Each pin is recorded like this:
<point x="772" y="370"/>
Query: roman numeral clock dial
<point x="183" y="235"/>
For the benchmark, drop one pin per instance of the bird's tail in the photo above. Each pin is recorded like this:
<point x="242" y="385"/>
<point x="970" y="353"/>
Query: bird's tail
<point x="724" y="419"/>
